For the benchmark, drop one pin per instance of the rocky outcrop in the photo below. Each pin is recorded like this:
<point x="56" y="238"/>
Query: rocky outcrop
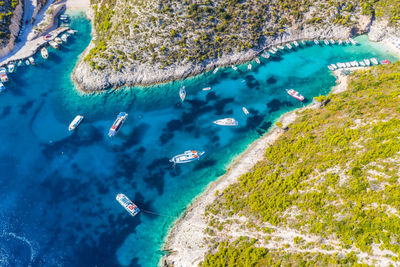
<point x="89" y="79"/>
<point x="15" y="27"/>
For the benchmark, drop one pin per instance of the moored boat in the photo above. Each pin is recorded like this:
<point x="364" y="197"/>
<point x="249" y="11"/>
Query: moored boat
<point x="316" y="42"/>
<point x="44" y="53"/>
<point x="385" y="62"/>
<point x="330" y="67"/>
<point x="374" y="61"/>
<point x="326" y="42"/>
<point x="64" y="37"/>
<point x="296" y="44"/>
<point x="127" y="204"/>
<point x="206" y="89"/>
<point x="303" y="42"/>
<point x="258" y="60"/>
<point x="280" y="47"/>
<point x="75" y="122"/>
<point x="215" y="70"/>
<point x="340" y="42"/>
<point x="2" y="87"/>
<point x="11" y="67"/>
<point x="295" y="94"/>
<point x="187" y="156"/>
<point x="347" y="42"/>
<point x="266" y="55"/>
<point x="249" y="67"/>
<point x="245" y="111"/>
<point x="362" y="63"/>
<point x="353" y="42"/>
<point x="234" y="67"/>
<point x="32" y="61"/>
<point x="367" y="62"/>
<point x="121" y="118"/>
<point x="348" y="65"/>
<point x="289" y="46"/>
<point x="272" y="51"/>
<point x="58" y="40"/>
<point x="20" y="63"/>
<point x="182" y="93"/>
<point x="72" y="31"/>
<point x="227" y="122"/>
<point x="54" y="44"/>
<point x="3" y="75"/>
<point x="332" y="41"/>
<point x="27" y="62"/>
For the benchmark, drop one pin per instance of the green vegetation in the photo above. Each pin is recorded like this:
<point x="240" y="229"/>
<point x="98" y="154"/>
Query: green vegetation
<point x="168" y="32"/>
<point x="243" y="253"/>
<point x="7" y="8"/>
<point x="334" y="174"/>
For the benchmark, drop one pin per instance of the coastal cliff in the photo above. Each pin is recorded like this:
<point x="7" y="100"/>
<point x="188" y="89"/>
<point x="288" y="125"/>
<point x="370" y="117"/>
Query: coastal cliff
<point x="160" y="42"/>
<point x="13" y="28"/>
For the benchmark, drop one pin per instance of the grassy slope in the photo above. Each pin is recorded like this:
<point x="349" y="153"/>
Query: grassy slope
<point x="334" y="173"/>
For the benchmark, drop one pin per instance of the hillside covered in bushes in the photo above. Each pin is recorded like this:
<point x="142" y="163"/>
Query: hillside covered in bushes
<point x="327" y="192"/>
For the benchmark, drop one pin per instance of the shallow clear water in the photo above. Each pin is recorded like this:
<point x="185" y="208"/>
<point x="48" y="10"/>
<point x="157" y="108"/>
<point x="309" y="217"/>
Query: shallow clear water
<point x="58" y="189"/>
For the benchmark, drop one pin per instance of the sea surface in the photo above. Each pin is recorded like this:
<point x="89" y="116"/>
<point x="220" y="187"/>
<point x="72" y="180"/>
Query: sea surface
<point x="57" y="189"/>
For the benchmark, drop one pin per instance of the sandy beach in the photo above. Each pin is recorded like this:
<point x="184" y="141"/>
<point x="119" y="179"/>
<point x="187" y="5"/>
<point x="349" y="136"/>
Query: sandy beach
<point x="78" y="4"/>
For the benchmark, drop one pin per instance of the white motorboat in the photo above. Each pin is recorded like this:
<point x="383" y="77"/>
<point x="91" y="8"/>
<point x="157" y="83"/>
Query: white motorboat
<point x="187" y="156"/>
<point x="295" y="94"/>
<point x="245" y="111"/>
<point x="44" y="52"/>
<point x="289" y="46"/>
<point x="258" y="60"/>
<point x="227" y="122"/>
<point x="11" y="67"/>
<point x="215" y="70"/>
<point x="75" y="122"/>
<point x="234" y="67"/>
<point x="32" y="61"/>
<point x="206" y="89"/>
<point x="374" y="61"/>
<point x="296" y="44"/>
<point x="54" y="44"/>
<point x="316" y="42"/>
<point x="367" y="62"/>
<point x="249" y="67"/>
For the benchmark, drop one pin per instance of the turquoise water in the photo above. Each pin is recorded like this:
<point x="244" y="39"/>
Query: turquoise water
<point x="58" y="189"/>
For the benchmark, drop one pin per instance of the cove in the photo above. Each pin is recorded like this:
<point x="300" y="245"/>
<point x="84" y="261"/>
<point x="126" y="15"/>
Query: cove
<point x="58" y="189"/>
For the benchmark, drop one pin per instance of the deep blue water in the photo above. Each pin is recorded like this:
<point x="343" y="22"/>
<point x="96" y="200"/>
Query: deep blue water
<point x="57" y="190"/>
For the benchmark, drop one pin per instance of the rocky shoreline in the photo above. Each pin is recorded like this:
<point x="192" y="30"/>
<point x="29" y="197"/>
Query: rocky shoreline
<point x="89" y="80"/>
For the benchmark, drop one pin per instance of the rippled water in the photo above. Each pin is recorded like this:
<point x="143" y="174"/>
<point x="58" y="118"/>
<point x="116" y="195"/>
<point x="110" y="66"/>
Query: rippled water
<point x="58" y="189"/>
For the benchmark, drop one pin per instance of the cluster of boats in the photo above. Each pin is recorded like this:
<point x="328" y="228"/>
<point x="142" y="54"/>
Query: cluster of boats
<point x="12" y="66"/>
<point x="353" y="64"/>
<point x="295" y="44"/>
<point x="119" y="121"/>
